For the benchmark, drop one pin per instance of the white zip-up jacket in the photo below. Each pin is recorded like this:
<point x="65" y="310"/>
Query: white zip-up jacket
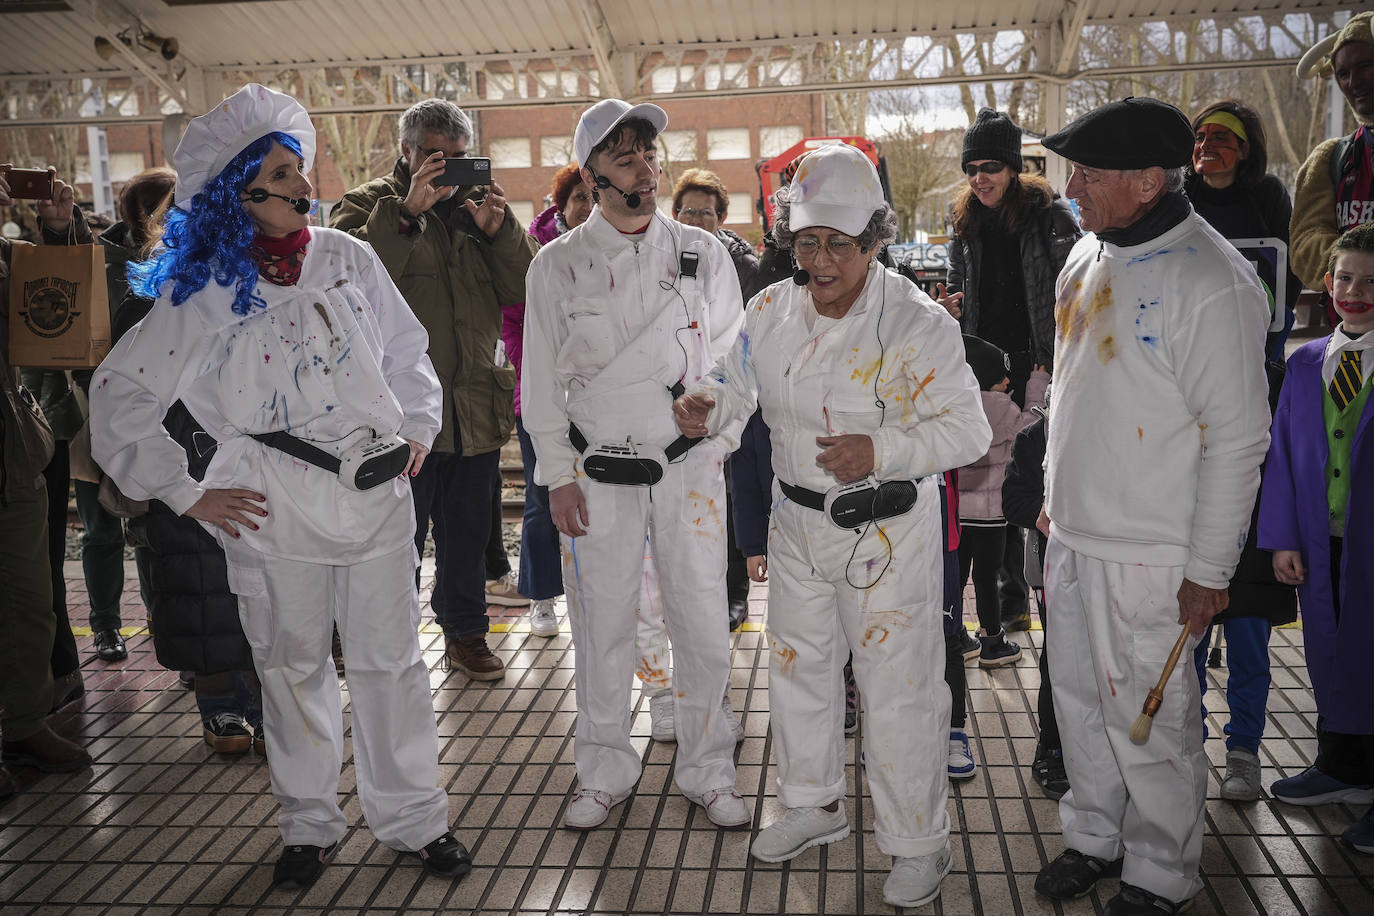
<point x="336" y="355"/>
<point x="1161" y="406"/>
<point x="610" y="327"/>
<point x="817" y="376"/>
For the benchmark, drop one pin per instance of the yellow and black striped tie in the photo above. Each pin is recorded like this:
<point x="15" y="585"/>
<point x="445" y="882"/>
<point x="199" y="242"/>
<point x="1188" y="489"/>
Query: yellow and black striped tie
<point x="1347" y="382"/>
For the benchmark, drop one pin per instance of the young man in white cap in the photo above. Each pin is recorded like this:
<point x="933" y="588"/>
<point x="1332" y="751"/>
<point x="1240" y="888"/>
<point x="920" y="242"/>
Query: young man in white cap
<point x="622" y="313"/>
<point x="863" y="383"/>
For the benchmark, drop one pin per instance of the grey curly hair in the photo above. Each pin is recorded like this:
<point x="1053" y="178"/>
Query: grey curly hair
<point x="881" y="228"/>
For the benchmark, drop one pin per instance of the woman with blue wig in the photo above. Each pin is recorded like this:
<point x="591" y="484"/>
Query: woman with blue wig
<point x="292" y="348"/>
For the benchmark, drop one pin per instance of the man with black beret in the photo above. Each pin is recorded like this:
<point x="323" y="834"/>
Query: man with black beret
<point x="1161" y="420"/>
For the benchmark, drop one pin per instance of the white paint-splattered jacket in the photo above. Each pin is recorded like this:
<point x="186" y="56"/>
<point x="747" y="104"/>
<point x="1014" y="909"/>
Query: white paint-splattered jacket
<point x="609" y="327"/>
<point x="1161" y="412"/>
<point x="327" y="359"/>
<point x="820" y="381"/>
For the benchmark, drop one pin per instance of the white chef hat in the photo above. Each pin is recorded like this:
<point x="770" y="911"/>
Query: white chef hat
<point x="212" y="140"/>
<point x="836" y="187"/>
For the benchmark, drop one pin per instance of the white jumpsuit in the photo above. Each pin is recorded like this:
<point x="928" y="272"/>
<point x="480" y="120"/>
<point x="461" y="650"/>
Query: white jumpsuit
<point x="1160" y="423"/>
<point x="831" y="591"/>
<point x="610" y="326"/>
<point x="325" y="360"/>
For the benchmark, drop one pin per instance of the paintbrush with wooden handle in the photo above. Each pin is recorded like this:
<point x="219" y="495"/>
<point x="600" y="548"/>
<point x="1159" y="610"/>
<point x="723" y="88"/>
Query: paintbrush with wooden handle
<point x="1140" y="729"/>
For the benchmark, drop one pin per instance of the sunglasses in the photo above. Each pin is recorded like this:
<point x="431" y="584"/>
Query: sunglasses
<point x="987" y="168"/>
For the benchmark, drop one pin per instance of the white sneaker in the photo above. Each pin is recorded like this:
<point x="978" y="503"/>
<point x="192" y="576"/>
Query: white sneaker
<point x="590" y="808"/>
<point x="797" y="831"/>
<point x="543" y="621"/>
<point x="661" y="727"/>
<point x="724" y="807"/>
<point x="503" y="591"/>
<point x="916" y="880"/>
<point x="960" y="765"/>
<point x="736" y="728"/>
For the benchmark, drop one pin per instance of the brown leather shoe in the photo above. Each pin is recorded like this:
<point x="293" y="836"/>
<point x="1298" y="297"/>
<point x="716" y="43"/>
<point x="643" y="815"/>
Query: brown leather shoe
<point x="472" y="656"/>
<point x="48" y="751"/>
<point x="67" y="689"/>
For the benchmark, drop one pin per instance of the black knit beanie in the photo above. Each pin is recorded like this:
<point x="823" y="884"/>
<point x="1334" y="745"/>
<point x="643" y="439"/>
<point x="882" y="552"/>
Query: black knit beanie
<point x="989" y="363"/>
<point x="992" y="136"/>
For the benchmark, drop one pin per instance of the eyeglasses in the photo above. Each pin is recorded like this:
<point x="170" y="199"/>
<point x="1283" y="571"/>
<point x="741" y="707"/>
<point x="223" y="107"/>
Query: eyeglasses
<point x="987" y="168"/>
<point x="692" y="212"/>
<point x="839" y="247"/>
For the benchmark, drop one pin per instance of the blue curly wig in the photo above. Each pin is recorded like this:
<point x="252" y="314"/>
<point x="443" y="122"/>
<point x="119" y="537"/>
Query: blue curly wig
<point x="213" y="239"/>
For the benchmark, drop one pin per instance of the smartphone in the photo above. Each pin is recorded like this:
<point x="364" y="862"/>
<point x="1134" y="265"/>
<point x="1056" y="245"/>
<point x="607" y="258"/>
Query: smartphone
<point x="30" y="184"/>
<point x="465" y="171"/>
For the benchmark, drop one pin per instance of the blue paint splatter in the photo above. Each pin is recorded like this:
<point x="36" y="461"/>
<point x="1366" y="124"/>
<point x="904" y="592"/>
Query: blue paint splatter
<point x="1141" y="259"/>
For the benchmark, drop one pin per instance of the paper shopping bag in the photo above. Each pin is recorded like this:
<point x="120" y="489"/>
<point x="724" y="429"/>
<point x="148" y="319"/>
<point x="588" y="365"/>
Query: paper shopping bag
<point x="59" y="309"/>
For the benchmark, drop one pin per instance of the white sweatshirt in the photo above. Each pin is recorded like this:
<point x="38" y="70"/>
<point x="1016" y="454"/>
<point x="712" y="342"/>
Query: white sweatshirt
<point x="610" y="327"/>
<point x="328" y="359"/>
<point x="816" y="376"/>
<point x="1161" y="412"/>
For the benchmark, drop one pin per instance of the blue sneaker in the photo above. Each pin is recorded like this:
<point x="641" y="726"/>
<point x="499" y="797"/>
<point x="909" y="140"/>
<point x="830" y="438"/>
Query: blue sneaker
<point x="1313" y="787"/>
<point x="1359" y="836"/>
<point x="961" y="765"/>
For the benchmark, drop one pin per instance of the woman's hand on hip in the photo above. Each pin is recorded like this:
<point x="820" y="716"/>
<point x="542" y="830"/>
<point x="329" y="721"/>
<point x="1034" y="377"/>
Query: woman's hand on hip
<point x="226" y="508"/>
<point x="417" y="458"/>
<point x="848" y="457"/>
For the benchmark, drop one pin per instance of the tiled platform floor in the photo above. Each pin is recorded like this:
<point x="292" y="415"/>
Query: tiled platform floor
<point x="161" y="824"/>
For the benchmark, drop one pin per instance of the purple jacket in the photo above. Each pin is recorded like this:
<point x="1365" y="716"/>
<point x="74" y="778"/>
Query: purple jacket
<point x="1293" y="516"/>
<point x="545" y="228"/>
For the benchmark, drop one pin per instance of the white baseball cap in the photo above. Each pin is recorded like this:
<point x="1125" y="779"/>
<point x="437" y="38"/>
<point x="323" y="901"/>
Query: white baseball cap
<point x="835" y="187"/>
<point x="212" y="140"/>
<point x="605" y="116"/>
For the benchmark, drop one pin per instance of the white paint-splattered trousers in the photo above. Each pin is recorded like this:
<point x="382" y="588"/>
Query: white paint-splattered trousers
<point x="288" y="609"/>
<point x="602" y="575"/>
<point x="895" y="630"/>
<point x="655" y="666"/>
<point x="1114" y="625"/>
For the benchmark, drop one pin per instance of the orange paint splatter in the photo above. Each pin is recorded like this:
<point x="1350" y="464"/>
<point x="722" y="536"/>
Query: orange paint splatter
<point x="1106" y="350"/>
<point x="916" y="392"/>
<point x="1140" y="434"/>
<point x="1202" y="433"/>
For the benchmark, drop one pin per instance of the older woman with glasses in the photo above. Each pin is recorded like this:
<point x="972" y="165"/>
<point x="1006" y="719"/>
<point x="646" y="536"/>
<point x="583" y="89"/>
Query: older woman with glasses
<point x="863" y="384"/>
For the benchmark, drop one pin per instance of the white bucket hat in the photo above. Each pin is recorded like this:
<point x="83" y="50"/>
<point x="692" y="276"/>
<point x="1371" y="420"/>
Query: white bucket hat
<point x="605" y="116"/>
<point x="835" y="187"/>
<point x="212" y="140"/>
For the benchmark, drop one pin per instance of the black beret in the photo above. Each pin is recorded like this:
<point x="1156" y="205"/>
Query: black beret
<point x="1134" y="133"/>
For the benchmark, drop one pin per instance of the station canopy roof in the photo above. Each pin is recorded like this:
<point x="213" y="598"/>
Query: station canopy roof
<point x="574" y="49"/>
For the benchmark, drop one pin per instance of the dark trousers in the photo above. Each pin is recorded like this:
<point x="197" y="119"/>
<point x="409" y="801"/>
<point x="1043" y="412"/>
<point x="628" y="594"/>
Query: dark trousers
<point x="454" y="493"/>
<point x="238" y="692"/>
<point x="541" y="564"/>
<point x="1044" y="701"/>
<point x="955" y="675"/>
<point x="26" y="616"/>
<point x="1015" y="593"/>
<point x="102" y="556"/>
<point x="736" y="566"/>
<point x="980" y="551"/>
<point x="494" y="560"/>
<point x="64" y="659"/>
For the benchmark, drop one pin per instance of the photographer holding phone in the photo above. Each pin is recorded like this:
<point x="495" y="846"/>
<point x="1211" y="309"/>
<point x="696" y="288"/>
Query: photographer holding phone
<point x="458" y="254"/>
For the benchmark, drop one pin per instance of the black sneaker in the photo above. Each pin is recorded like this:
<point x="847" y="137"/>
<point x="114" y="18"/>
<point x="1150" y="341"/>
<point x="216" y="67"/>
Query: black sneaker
<point x="1048" y="772"/>
<point x="1073" y="874"/>
<point x="227" y="733"/>
<point x="300" y="866"/>
<point x="1136" y="901"/>
<point x="446" y="857"/>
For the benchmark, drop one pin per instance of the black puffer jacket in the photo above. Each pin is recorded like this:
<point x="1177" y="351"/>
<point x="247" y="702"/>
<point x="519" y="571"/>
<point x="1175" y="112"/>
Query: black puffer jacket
<point x="746" y="262"/>
<point x="194" y="616"/>
<point x="1045" y="246"/>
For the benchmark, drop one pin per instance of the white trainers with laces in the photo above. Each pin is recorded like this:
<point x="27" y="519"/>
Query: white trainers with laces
<point x="797" y="831"/>
<point x="916" y="880"/>
<point x="724" y="807"/>
<point x="590" y="808"/>
<point x="661" y="726"/>
<point x="543" y="621"/>
<point x="736" y="728"/>
<point x="503" y="591"/>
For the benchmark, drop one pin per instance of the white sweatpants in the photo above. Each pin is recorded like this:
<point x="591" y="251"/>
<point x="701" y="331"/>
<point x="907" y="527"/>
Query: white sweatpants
<point x="288" y="608"/>
<point x="602" y="573"/>
<point x="816" y="617"/>
<point x="655" y="666"/>
<point x="1114" y="625"/>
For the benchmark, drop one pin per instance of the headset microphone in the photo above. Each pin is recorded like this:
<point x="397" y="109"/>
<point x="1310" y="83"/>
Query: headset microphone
<point x="632" y="200"/>
<point x="801" y="277"/>
<point x="299" y="204"/>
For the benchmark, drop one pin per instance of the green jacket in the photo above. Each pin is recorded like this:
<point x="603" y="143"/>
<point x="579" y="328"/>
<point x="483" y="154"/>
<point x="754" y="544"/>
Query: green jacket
<point x="456" y="286"/>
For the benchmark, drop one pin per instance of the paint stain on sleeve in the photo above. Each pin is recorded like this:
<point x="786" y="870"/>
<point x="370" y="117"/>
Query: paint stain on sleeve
<point x="1202" y="434"/>
<point x="1140" y="434"/>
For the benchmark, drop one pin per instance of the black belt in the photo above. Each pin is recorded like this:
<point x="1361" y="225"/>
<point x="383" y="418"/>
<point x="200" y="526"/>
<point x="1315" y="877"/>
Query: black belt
<point x="803" y="497"/>
<point x="675" y="450"/>
<point x="299" y="448"/>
